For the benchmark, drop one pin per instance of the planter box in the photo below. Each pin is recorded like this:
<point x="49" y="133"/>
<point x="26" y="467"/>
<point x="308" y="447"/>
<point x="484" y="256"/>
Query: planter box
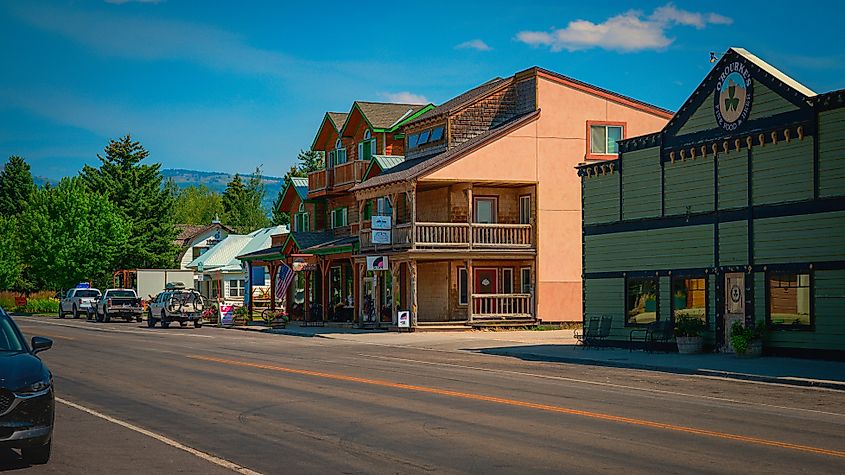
<point x="755" y="350"/>
<point x="688" y="345"/>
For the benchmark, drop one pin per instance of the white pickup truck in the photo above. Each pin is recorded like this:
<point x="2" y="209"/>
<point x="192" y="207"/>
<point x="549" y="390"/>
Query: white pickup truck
<point x="123" y="303"/>
<point x="78" y="300"/>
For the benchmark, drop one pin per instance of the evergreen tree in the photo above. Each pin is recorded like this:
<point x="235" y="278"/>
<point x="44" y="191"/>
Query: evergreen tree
<point x="307" y="161"/>
<point x="16" y="186"/>
<point x="68" y="235"/>
<point x="242" y="203"/>
<point x="197" y="205"/>
<point x="136" y="190"/>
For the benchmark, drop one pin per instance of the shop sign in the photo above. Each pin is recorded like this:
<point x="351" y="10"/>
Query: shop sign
<point x="380" y="237"/>
<point x="227" y="314"/>
<point x="733" y="95"/>
<point x="380" y="222"/>
<point x="403" y="319"/>
<point x="376" y="262"/>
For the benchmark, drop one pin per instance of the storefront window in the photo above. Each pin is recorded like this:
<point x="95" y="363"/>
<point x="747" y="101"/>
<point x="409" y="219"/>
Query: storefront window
<point x="336" y="289"/>
<point x="641" y="301"/>
<point x="789" y="299"/>
<point x="689" y="297"/>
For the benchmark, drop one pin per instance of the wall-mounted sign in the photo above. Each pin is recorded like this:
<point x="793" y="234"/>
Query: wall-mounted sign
<point x="733" y="95"/>
<point x="299" y="265"/>
<point x="380" y="222"/>
<point x="403" y="319"/>
<point x="380" y="237"/>
<point x="376" y="262"/>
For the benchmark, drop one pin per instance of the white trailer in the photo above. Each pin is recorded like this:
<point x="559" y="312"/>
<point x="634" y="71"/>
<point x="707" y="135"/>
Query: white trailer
<point x="149" y="282"/>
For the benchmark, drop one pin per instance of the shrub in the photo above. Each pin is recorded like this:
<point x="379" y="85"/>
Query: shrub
<point x="741" y="336"/>
<point x="689" y="326"/>
<point x="41" y="305"/>
<point x="7" y="301"/>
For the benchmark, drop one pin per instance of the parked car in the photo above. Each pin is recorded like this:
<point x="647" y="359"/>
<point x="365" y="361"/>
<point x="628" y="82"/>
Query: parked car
<point x="176" y="304"/>
<point x="78" y="300"/>
<point x="122" y="303"/>
<point x="27" y="402"/>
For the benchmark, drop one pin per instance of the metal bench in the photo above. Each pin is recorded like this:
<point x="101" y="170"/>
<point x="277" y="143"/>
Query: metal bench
<point x="596" y="331"/>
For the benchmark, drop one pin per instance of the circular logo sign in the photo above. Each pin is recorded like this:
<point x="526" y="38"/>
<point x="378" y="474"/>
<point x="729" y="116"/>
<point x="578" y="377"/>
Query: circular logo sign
<point x="736" y="294"/>
<point x="732" y="98"/>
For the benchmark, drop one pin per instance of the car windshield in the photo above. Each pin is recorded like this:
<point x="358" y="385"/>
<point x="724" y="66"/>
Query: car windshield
<point x="120" y="294"/>
<point x="87" y="293"/>
<point x="10" y="340"/>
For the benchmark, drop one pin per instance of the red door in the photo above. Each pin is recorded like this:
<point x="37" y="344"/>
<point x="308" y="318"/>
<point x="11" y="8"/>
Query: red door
<point x="486" y="282"/>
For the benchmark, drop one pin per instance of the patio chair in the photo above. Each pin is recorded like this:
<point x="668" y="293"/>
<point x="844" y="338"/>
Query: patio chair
<point x="663" y="332"/>
<point x="588" y="333"/>
<point x="604" y="329"/>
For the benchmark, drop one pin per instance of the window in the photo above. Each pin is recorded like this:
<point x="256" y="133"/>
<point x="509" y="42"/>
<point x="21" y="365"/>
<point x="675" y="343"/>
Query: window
<point x="789" y="299"/>
<point x="525" y="209"/>
<point x="436" y="134"/>
<point x="463" y="296"/>
<point x="485" y="210"/>
<point x="507" y="281"/>
<point x="384" y="207"/>
<point x="339" y="218"/>
<point x="339" y="153"/>
<point x="301" y="222"/>
<point x="689" y="297"/>
<point x="367" y="134"/>
<point x="198" y="251"/>
<point x="367" y="147"/>
<point x="413" y="140"/>
<point x="525" y="280"/>
<point x="603" y="139"/>
<point x="424" y="135"/>
<point x="641" y="301"/>
<point x="236" y="288"/>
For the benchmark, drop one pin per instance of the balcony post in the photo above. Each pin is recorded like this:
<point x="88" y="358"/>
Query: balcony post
<point x="470" y="288"/>
<point x="361" y="220"/>
<point x="469" y="215"/>
<point x="413" y="196"/>
<point x="412" y="265"/>
<point x="394" y="273"/>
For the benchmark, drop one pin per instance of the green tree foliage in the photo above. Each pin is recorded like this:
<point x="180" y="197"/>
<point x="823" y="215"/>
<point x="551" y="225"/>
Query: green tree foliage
<point x="242" y="207"/>
<point x="16" y="186"/>
<point x="10" y="259"/>
<point x="136" y="190"/>
<point x="69" y="234"/>
<point x="197" y="205"/>
<point x="307" y="161"/>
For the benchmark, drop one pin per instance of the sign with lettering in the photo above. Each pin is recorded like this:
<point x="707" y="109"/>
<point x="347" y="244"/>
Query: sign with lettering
<point x="227" y="314"/>
<point x="377" y="263"/>
<point x="380" y="237"/>
<point x="733" y="95"/>
<point x="403" y="319"/>
<point x="380" y="222"/>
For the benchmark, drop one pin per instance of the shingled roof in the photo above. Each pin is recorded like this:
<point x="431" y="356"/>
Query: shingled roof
<point x="466" y="98"/>
<point x="338" y="118"/>
<point x="385" y="115"/>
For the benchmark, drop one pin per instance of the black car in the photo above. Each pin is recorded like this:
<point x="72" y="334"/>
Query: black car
<point x="26" y="394"/>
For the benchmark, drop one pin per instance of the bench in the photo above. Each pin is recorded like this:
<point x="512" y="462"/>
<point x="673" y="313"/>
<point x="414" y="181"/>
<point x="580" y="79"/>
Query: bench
<point x="595" y="332"/>
<point x="661" y="331"/>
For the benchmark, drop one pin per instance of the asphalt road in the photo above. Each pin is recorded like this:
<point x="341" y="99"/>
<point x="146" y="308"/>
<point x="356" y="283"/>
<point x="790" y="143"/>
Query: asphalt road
<point x="287" y="404"/>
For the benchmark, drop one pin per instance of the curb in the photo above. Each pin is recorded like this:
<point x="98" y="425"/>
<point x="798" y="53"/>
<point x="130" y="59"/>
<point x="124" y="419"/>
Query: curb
<point x="812" y="383"/>
<point x="279" y="331"/>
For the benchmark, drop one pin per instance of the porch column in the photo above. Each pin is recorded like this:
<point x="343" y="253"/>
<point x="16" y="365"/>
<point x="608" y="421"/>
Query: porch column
<point x="272" y="289"/>
<point x="361" y="207"/>
<point x="470" y="289"/>
<point x="324" y="270"/>
<point x="414" y="223"/>
<point x="469" y="214"/>
<point x="248" y="289"/>
<point x="394" y="201"/>
<point x="412" y="266"/>
<point x="307" y="303"/>
<point x="356" y="290"/>
<point x="359" y="305"/>
<point x="394" y="276"/>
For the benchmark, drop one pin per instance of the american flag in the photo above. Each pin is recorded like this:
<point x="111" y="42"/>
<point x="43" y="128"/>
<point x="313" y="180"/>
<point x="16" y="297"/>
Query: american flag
<point x="284" y="277"/>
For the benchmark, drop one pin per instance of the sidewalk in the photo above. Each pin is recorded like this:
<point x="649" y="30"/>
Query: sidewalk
<point x="559" y="346"/>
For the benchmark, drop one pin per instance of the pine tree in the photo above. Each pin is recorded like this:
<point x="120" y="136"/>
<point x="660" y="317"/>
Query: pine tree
<point x="16" y="186"/>
<point x="136" y="190"/>
<point x="242" y="203"/>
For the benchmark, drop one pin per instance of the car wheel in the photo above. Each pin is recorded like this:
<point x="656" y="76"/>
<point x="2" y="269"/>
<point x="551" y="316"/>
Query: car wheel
<point x="138" y="319"/>
<point x="197" y="324"/>
<point x="183" y="323"/>
<point x="164" y="321"/>
<point x="75" y="312"/>
<point x="61" y="314"/>
<point x="37" y="455"/>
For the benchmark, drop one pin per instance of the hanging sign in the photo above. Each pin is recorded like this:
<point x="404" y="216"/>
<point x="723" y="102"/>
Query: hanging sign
<point x="376" y="262"/>
<point x="380" y="237"/>
<point x="403" y="319"/>
<point x="380" y="222"/>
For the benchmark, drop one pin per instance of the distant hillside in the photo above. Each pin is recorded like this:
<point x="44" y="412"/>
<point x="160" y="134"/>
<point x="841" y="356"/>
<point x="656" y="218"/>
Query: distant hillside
<point x="216" y="181"/>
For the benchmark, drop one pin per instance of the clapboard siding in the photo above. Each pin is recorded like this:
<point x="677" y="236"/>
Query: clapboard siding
<point x="783" y="172"/>
<point x="703" y="118"/>
<point x="689" y="186"/>
<point x="733" y="243"/>
<point x="733" y="179"/>
<point x="832" y="153"/>
<point x="803" y="238"/>
<point x="603" y="298"/>
<point x="641" y="184"/>
<point x="673" y="248"/>
<point x="767" y="103"/>
<point x="601" y="198"/>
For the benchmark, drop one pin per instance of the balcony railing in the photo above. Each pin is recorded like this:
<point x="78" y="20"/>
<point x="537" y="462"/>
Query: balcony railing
<point x="400" y="236"/>
<point x="317" y="180"/>
<point x="466" y="235"/>
<point x="501" y="306"/>
<point x="349" y="172"/>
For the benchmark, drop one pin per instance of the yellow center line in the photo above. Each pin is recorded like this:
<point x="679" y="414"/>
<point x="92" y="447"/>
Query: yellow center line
<point x="532" y="405"/>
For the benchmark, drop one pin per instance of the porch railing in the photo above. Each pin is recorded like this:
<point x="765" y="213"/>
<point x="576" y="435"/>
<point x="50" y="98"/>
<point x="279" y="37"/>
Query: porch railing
<point x="400" y="236"/>
<point x="501" y="235"/>
<point x="442" y="235"/>
<point x="349" y="172"/>
<point x="317" y="180"/>
<point x="501" y="305"/>
<point x="465" y="235"/>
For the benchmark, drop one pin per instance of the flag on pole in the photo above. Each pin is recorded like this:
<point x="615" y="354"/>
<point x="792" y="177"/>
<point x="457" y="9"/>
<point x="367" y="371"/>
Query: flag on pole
<point x="247" y="282"/>
<point x="284" y="277"/>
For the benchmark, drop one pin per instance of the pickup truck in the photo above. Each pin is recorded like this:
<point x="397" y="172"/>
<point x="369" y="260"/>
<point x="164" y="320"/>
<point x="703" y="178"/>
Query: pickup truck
<point x="122" y="303"/>
<point x="78" y="300"/>
<point x="176" y="304"/>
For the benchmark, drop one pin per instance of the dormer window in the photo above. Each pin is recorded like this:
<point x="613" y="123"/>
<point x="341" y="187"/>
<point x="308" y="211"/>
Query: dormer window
<point x="367" y="134"/>
<point x="367" y="147"/>
<point x="425" y="137"/>
<point x="338" y="155"/>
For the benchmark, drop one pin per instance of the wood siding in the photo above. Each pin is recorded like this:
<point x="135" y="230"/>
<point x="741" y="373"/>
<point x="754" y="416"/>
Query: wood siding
<point x="767" y="103"/>
<point x="641" y="184"/>
<point x="832" y="153"/>
<point x="601" y="199"/>
<point x="688" y="186"/>
<point x="733" y="179"/>
<point x="682" y="248"/>
<point x="733" y="243"/>
<point x="782" y="172"/>
<point x="802" y="238"/>
<point x="702" y="119"/>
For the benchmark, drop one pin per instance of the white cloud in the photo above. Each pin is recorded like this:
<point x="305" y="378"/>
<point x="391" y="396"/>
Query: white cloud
<point x="405" y="97"/>
<point x="626" y="32"/>
<point x="475" y="44"/>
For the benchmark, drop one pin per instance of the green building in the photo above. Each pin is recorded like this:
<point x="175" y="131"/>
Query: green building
<point x="735" y="210"/>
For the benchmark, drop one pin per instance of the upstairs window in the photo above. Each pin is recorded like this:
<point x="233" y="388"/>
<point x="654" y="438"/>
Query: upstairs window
<point x="384" y="207"/>
<point x="301" y="222"/>
<point x="436" y="134"/>
<point x="367" y="147"/>
<point x="603" y="139"/>
<point x="339" y="218"/>
<point x="339" y="153"/>
<point x="428" y="136"/>
<point x="424" y="135"/>
<point x="413" y="140"/>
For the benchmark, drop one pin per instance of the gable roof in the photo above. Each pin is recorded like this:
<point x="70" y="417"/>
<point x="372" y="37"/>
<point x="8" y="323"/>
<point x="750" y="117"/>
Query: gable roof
<point x="780" y="75"/>
<point x="224" y="255"/>
<point x="189" y="232"/>
<point x="299" y="185"/>
<point x="335" y="121"/>
<point x="384" y="116"/>
<point x="383" y="162"/>
<point x="338" y="119"/>
<point x="466" y="98"/>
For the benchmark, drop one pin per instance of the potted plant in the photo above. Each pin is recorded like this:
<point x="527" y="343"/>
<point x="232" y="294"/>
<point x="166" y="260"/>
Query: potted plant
<point x="688" y="336"/>
<point x="241" y="315"/>
<point x="747" y="342"/>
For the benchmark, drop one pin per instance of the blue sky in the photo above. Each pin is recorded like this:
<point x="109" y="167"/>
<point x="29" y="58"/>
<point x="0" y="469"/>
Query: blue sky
<point x="228" y="86"/>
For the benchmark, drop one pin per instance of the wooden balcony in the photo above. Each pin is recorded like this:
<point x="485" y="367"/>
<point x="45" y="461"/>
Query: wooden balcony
<point x="448" y="236"/>
<point x="492" y="307"/>
<point x="317" y="181"/>
<point x="349" y="173"/>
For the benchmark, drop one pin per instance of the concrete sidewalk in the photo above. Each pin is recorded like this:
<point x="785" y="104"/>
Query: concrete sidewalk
<point x="559" y="346"/>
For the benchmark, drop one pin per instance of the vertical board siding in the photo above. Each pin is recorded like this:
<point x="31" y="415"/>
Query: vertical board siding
<point x="767" y="103"/>
<point x="783" y="172"/>
<point x="672" y="248"/>
<point x="710" y="334"/>
<point x="688" y="186"/>
<point x="832" y="153"/>
<point x="601" y="198"/>
<point x="733" y="243"/>
<point x="641" y="184"/>
<point x="803" y="238"/>
<point x="733" y="179"/>
<point x="703" y="118"/>
<point x="606" y="297"/>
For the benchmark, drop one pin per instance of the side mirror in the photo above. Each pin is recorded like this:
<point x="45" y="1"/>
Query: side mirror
<point x="39" y="343"/>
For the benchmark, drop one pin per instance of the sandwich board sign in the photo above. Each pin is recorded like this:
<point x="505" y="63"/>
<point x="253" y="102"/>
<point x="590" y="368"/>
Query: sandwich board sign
<point x="403" y="319"/>
<point x="376" y="262"/>
<point x="227" y="315"/>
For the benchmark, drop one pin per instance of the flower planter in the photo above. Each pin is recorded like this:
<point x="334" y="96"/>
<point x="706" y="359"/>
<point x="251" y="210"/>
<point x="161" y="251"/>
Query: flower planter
<point x="688" y="345"/>
<point x="755" y="350"/>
